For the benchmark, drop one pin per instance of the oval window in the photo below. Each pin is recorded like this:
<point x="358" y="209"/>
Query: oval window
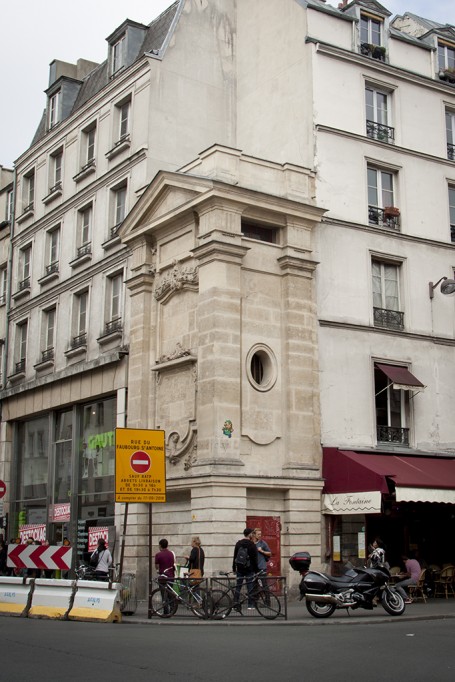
<point x="261" y="367"/>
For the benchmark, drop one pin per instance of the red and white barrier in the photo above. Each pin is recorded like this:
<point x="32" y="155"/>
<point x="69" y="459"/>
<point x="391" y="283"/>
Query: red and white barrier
<point x="47" y="557"/>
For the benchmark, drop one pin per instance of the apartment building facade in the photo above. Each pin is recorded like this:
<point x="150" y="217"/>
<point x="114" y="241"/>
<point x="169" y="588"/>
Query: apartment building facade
<point x="266" y="301"/>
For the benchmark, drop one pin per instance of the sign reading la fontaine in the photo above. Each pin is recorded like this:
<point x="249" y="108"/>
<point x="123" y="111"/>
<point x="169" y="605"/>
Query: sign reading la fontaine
<point x="140" y="466"/>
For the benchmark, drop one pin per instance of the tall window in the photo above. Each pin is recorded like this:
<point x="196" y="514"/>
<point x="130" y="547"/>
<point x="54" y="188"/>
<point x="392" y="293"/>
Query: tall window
<point x="392" y="410"/>
<point x="452" y="212"/>
<point x="54" y="109"/>
<point x="114" y="300"/>
<point x="3" y="284"/>
<point x="80" y="313"/>
<point x="28" y="196"/>
<point x="56" y="170"/>
<point x="84" y="233"/>
<point x="377" y="115"/>
<point x="118" y="54"/>
<point x="52" y="250"/>
<point x="49" y="334"/>
<point x="381" y="209"/>
<point x="446" y="57"/>
<point x="386" y="298"/>
<point x="9" y="205"/>
<point x="450" y="131"/>
<point x="88" y="145"/>
<point x="370" y="30"/>
<point x="123" y="119"/>
<point x="21" y="347"/>
<point x="118" y="208"/>
<point x="25" y="259"/>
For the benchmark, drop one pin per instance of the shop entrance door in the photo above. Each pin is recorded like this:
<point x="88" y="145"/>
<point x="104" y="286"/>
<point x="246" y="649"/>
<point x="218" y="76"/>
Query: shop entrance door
<point x="271" y="533"/>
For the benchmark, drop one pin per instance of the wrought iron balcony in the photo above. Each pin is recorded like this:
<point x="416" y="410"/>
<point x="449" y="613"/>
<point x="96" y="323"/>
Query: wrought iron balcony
<point x="393" y="434"/>
<point x="383" y="218"/>
<point x="79" y="340"/>
<point x="451" y="151"/>
<point x="113" y="326"/>
<point x="84" y="250"/>
<point x="24" y="284"/>
<point x="19" y="366"/>
<point x="114" y="230"/>
<point x="47" y="355"/>
<point x="378" y="131"/>
<point x="2" y="299"/>
<point x="56" y="187"/>
<point x="52" y="267"/>
<point x="391" y="319"/>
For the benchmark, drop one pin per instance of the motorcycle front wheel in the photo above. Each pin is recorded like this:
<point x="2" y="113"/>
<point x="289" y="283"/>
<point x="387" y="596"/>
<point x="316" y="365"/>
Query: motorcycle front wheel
<point x="320" y="609"/>
<point x="392" y="602"/>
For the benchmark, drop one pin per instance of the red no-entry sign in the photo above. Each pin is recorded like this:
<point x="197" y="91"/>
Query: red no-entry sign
<point x="2" y="489"/>
<point x="140" y="462"/>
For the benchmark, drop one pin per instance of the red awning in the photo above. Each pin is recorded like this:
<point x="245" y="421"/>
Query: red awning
<point x="346" y="471"/>
<point x="400" y="375"/>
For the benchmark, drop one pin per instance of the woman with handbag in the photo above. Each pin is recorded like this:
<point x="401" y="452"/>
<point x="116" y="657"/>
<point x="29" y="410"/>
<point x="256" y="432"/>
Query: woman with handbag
<point x="196" y="559"/>
<point x="101" y="560"/>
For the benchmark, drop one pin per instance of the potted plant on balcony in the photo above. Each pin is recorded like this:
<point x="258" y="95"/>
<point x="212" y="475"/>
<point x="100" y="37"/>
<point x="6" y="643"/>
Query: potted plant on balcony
<point x="391" y="212"/>
<point x="378" y="52"/>
<point x="447" y="75"/>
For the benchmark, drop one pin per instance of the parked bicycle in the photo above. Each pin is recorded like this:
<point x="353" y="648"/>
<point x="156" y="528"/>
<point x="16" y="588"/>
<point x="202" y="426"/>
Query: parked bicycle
<point x="266" y="603"/>
<point x="171" y="592"/>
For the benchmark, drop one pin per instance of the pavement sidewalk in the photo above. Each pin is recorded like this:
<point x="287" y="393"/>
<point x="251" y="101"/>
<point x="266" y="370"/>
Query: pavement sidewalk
<point x="297" y="614"/>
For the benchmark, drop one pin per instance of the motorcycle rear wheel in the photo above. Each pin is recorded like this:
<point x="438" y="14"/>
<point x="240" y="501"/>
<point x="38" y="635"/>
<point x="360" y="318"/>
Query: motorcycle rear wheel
<point x="320" y="609"/>
<point x="392" y="602"/>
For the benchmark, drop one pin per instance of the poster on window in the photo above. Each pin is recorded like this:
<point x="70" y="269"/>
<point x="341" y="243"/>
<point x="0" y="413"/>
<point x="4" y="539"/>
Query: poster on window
<point x="33" y="531"/>
<point x="94" y="534"/>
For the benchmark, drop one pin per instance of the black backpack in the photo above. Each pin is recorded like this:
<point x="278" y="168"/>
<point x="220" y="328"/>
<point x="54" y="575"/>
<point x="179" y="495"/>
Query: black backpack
<point x="242" y="560"/>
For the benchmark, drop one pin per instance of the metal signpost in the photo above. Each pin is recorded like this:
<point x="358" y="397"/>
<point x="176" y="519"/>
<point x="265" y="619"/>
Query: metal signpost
<point x="140" y="474"/>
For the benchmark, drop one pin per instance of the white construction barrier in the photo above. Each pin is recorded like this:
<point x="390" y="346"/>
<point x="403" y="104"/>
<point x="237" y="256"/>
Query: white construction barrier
<point x="52" y="598"/>
<point x="15" y="596"/>
<point x="96" y="601"/>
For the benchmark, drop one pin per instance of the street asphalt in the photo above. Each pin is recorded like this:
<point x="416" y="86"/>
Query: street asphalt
<point x="297" y="614"/>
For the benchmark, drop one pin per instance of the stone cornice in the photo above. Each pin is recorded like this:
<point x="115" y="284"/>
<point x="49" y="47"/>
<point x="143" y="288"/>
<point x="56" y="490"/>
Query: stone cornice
<point x="362" y="328"/>
<point x="217" y="250"/>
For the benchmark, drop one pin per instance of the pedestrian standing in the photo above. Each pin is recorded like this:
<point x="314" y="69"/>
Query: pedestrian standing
<point x="103" y="559"/>
<point x="245" y="565"/>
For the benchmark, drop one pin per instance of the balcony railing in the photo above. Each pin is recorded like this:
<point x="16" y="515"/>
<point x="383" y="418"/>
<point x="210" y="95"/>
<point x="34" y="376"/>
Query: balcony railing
<point x="47" y="355"/>
<point x="24" y="284"/>
<point x="79" y="340"/>
<point x="393" y="434"/>
<point x="84" y="250"/>
<point x="391" y="319"/>
<point x="2" y="299"/>
<point x="19" y="366"/>
<point x="52" y="267"/>
<point x="382" y="218"/>
<point x="113" y="326"/>
<point x="378" y="131"/>
<point x="451" y="151"/>
<point x="114" y="230"/>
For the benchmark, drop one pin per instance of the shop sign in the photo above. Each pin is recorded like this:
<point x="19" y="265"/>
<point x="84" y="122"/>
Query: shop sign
<point x="59" y="512"/>
<point x="140" y="469"/>
<point x="352" y="503"/>
<point x="94" y="534"/>
<point x="36" y="531"/>
<point x="2" y="489"/>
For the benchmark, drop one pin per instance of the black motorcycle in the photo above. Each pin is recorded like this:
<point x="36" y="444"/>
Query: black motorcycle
<point x="358" y="588"/>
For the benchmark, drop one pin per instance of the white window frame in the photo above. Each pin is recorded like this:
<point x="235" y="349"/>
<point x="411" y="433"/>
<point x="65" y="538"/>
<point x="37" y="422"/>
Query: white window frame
<point x="450" y="133"/>
<point x="52" y="249"/>
<point x="451" y="192"/>
<point x="81" y="309"/>
<point x="56" y="170"/>
<point x="385" y="302"/>
<point x="115" y="297"/>
<point x="381" y="191"/>
<point x="28" y="195"/>
<point x="21" y="342"/>
<point x="118" y="54"/>
<point x="123" y="114"/>
<point x="54" y="109"/>
<point x="84" y="231"/>
<point x="446" y="56"/>
<point x="379" y="116"/>
<point x="50" y="322"/>
<point x="3" y="284"/>
<point x="25" y="266"/>
<point x="393" y="395"/>
<point x="9" y="205"/>
<point x="370" y="35"/>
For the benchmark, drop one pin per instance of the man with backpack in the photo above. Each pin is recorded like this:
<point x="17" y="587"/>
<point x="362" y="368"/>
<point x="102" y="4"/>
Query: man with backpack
<point x="245" y="565"/>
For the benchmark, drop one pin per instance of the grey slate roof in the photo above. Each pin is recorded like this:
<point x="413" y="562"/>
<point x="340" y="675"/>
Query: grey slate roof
<point x="97" y="79"/>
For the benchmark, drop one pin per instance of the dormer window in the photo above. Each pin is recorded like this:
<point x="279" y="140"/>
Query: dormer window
<point x="54" y="109"/>
<point x="446" y="61"/>
<point x="372" y="36"/>
<point x="118" y="55"/>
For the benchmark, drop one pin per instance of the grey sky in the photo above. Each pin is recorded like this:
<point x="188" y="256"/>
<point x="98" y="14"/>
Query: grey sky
<point x="33" y="33"/>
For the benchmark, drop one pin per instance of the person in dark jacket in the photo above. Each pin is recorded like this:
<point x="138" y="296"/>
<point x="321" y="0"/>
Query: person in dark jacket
<point x="245" y="565"/>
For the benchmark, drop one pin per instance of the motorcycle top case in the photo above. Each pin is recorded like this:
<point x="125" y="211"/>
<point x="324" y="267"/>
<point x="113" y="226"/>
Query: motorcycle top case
<point x="300" y="561"/>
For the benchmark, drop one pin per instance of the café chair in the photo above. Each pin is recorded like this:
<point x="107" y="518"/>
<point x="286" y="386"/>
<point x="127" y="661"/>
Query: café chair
<point x="444" y="582"/>
<point x="395" y="570"/>
<point x="417" y="591"/>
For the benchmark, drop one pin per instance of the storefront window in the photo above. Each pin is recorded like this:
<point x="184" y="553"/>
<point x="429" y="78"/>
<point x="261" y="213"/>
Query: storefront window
<point x="32" y="471"/>
<point x="63" y="447"/>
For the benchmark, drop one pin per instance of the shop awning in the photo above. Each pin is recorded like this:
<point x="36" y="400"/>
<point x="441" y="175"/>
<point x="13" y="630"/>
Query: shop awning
<point x="414" y="478"/>
<point x="400" y="377"/>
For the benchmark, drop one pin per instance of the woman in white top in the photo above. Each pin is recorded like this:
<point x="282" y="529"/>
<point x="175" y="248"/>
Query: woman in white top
<point x="104" y="560"/>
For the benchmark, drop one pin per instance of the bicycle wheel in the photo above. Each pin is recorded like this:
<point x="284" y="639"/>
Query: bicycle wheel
<point x="267" y="604"/>
<point x="198" y="602"/>
<point x="220" y="604"/>
<point x="163" y="605"/>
